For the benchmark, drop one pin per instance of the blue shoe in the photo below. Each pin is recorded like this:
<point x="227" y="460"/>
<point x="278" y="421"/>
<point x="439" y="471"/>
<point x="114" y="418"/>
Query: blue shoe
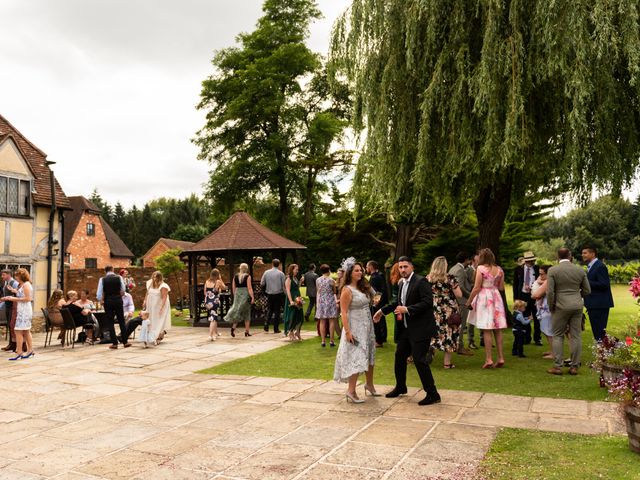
<point x="29" y="355"/>
<point x="17" y="357"/>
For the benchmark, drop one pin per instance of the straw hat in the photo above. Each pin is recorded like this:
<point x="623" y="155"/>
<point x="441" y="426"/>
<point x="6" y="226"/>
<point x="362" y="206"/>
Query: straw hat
<point x="529" y="257"/>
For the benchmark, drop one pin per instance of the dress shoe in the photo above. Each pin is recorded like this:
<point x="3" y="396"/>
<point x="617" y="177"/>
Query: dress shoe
<point x="473" y="346"/>
<point x="113" y="347"/>
<point x="464" y="351"/>
<point x="555" y="371"/>
<point x="430" y="399"/>
<point x="573" y="371"/>
<point x="126" y="345"/>
<point x="266" y="328"/>
<point x="396" y="392"/>
<point x="539" y="344"/>
<point x="10" y="348"/>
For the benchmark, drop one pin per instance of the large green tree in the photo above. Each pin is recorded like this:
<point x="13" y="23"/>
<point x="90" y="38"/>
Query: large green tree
<point x="486" y="100"/>
<point x="254" y="108"/>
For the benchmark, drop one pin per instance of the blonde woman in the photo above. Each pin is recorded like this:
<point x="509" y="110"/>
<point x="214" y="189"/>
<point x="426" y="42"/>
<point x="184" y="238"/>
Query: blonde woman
<point x="55" y="303"/>
<point x="243" y="298"/>
<point x="156" y="303"/>
<point x="22" y="300"/>
<point x="212" y="289"/>
<point x="446" y="291"/>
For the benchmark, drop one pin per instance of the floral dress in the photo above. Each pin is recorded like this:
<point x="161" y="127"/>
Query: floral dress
<point x="212" y="303"/>
<point x="488" y="309"/>
<point x="326" y="306"/>
<point x="25" y="312"/>
<point x="444" y="305"/>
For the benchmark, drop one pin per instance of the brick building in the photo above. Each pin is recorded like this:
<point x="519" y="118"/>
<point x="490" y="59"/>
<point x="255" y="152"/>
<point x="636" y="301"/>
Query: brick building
<point x="161" y="246"/>
<point x="90" y="241"/>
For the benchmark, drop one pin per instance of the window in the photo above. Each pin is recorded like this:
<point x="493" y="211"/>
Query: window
<point x="91" y="230"/>
<point x="15" y="196"/>
<point x="14" y="266"/>
<point x="90" y="263"/>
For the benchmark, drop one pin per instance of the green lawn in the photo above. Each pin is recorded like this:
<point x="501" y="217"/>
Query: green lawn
<point x="524" y="455"/>
<point x="521" y="376"/>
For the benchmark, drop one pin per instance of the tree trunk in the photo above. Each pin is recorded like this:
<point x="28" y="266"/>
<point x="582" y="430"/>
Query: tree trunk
<point x="491" y="207"/>
<point x="308" y="202"/>
<point x="404" y="247"/>
<point x="282" y="190"/>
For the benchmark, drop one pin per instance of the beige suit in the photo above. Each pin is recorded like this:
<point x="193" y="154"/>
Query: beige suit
<point x="567" y="285"/>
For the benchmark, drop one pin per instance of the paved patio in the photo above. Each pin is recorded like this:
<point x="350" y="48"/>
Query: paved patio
<point x="90" y="412"/>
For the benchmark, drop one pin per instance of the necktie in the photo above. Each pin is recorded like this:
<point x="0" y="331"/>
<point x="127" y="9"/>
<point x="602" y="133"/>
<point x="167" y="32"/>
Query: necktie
<point x="527" y="279"/>
<point x="403" y="298"/>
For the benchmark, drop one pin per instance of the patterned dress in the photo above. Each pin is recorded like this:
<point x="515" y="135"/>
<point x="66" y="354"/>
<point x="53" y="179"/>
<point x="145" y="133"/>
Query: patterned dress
<point x="326" y="306"/>
<point x="212" y="303"/>
<point x="356" y="359"/>
<point x="543" y="312"/>
<point x="24" y="312"/>
<point x="488" y="309"/>
<point x="444" y="305"/>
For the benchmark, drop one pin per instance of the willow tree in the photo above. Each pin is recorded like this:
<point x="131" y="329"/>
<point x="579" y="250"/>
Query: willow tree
<point x="484" y="100"/>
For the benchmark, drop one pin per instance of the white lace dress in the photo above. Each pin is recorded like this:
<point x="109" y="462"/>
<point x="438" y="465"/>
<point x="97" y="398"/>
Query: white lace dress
<point x="24" y="313"/>
<point x="355" y="359"/>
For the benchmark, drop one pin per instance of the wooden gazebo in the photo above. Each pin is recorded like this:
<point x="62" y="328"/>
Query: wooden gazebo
<point x="238" y="240"/>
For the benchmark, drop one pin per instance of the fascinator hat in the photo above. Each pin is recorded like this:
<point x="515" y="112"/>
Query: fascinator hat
<point x="348" y="264"/>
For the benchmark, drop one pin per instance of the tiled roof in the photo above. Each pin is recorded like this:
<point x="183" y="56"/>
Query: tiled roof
<point x="243" y="232"/>
<point x="171" y="243"/>
<point x="36" y="159"/>
<point x="79" y="205"/>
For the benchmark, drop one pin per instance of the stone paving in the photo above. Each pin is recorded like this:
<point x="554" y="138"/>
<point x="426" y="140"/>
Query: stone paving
<point x="94" y="413"/>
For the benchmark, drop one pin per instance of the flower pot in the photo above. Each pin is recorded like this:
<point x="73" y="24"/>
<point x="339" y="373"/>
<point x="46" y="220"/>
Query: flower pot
<point x="632" y="418"/>
<point x="609" y="373"/>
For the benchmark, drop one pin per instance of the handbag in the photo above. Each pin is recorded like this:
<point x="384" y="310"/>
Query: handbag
<point x="454" y="320"/>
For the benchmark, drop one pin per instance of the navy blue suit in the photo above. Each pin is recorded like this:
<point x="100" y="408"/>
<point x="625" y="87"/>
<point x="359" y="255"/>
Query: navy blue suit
<point x="600" y="300"/>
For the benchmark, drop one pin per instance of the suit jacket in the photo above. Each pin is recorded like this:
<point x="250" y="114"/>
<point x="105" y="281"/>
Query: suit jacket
<point x="379" y="284"/>
<point x="600" y="296"/>
<point x="567" y="284"/>
<point x="421" y="324"/>
<point x="518" y="280"/>
<point x="461" y="275"/>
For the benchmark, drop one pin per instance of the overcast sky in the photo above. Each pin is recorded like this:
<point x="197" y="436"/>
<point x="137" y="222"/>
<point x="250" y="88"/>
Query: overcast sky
<point x="108" y="88"/>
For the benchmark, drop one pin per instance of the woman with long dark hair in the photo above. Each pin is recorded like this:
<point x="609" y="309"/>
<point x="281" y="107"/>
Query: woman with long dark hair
<point x="357" y="351"/>
<point x="487" y="310"/>
<point x="293" y="316"/>
<point x="212" y="289"/>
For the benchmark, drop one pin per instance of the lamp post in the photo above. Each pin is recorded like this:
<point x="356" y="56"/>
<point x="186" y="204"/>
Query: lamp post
<point x="52" y="215"/>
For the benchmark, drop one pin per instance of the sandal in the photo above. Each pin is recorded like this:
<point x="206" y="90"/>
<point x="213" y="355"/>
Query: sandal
<point x="488" y="365"/>
<point x="449" y="366"/>
<point x="500" y="364"/>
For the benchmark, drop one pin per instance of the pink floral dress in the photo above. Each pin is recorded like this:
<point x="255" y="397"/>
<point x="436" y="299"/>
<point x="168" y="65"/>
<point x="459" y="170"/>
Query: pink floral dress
<point x="488" y="309"/>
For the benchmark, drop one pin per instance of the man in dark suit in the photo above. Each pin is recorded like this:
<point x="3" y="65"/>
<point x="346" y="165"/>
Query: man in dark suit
<point x="523" y="278"/>
<point x="416" y="328"/>
<point x="600" y="300"/>
<point x="111" y="290"/>
<point x="379" y="284"/>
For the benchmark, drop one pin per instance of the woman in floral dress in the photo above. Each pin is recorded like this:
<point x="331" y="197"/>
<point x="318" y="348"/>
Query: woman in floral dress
<point x="212" y="288"/>
<point x="487" y="310"/>
<point x="445" y="290"/>
<point x="327" y="305"/>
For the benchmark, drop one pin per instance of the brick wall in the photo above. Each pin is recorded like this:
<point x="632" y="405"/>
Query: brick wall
<point x="83" y="246"/>
<point x="158" y="249"/>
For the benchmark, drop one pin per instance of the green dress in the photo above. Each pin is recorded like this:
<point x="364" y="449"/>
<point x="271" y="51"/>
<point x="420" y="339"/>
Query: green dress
<point x="293" y="316"/>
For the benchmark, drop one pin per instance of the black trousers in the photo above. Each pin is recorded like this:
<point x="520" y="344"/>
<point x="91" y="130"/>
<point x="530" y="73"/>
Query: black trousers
<point x="312" y="304"/>
<point x="532" y="311"/>
<point x="276" y="304"/>
<point x="113" y="310"/>
<point x="598" y="318"/>
<point x="132" y="325"/>
<point x="380" y="329"/>
<point x="405" y="348"/>
<point x="518" y="342"/>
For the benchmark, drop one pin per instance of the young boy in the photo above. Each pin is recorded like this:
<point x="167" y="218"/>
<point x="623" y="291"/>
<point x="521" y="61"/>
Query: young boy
<point x="519" y="329"/>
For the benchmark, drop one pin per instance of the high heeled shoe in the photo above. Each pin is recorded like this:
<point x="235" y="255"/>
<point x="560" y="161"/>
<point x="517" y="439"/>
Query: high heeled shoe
<point x="371" y="391"/>
<point x="233" y="332"/>
<point x="17" y="357"/>
<point x="29" y="355"/>
<point x="353" y="399"/>
<point x="247" y="334"/>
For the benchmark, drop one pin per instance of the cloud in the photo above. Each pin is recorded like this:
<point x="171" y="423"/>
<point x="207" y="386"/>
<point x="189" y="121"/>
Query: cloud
<point x="108" y="88"/>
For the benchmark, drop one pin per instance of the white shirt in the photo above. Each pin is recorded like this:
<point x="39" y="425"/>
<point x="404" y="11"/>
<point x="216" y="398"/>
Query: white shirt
<point x="591" y="263"/>
<point x="405" y="288"/>
<point x="565" y="260"/>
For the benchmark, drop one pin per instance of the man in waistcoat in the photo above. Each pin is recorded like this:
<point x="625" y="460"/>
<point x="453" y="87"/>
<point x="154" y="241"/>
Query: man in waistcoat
<point x="111" y="289"/>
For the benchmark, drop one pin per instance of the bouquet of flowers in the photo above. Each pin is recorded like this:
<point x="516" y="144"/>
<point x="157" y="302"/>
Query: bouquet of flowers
<point x="299" y="302"/>
<point x="625" y="388"/>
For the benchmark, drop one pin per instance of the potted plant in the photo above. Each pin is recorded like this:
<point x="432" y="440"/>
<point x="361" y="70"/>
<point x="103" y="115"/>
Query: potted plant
<point x="626" y="389"/>
<point x="602" y="353"/>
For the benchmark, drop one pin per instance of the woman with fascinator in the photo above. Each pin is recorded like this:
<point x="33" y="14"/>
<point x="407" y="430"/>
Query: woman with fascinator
<point x="357" y="351"/>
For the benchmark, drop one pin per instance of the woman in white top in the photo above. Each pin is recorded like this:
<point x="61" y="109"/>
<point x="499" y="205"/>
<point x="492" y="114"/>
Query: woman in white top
<point x="23" y="298"/>
<point x="156" y="303"/>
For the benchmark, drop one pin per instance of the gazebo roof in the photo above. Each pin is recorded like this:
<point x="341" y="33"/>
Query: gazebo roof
<point x="243" y="232"/>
